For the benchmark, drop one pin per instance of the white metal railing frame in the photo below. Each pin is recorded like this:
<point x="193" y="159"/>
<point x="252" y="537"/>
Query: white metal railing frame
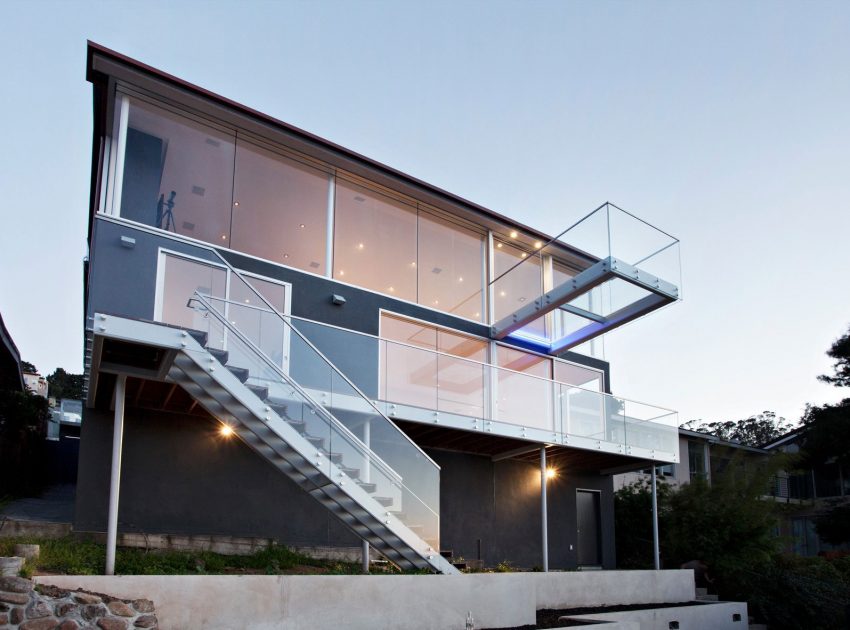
<point x="315" y="405"/>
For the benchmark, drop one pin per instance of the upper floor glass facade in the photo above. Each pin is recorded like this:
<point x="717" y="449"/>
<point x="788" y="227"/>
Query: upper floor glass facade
<point x="187" y="174"/>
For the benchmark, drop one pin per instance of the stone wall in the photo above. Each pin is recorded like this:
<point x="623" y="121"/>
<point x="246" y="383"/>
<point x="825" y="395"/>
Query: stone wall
<point x="50" y="608"/>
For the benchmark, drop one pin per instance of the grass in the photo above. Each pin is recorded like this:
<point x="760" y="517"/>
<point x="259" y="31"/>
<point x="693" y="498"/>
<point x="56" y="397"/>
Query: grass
<point x="72" y="556"/>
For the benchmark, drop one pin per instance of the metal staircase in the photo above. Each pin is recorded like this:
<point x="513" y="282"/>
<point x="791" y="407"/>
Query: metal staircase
<point x="307" y="419"/>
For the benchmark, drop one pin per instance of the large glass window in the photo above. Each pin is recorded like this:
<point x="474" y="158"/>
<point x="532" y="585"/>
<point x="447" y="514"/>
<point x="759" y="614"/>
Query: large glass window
<point x="279" y="209"/>
<point x="572" y="374"/>
<point x="444" y="371"/>
<point x="181" y="278"/>
<point x="374" y="241"/>
<point x="178" y="174"/>
<point x="524" y="391"/>
<point x="696" y="460"/>
<point x="516" y="284"/>
<point x="451" y="267"/>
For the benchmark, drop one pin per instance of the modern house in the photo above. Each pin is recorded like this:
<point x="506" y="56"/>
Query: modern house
<point x="701" y="456"/>
<point x="288" y="340"/>
<point x="808" y="493"/>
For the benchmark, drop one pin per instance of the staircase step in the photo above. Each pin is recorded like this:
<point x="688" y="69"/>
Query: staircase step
<point x="701" y="591"/>
<point x="281" y="410"/>
<point x="351" y="472"/>
<point x="368" y="487"/>
<point x="447" y="553"/>
<point x="385" y="501"/>
<point x="260" y="391"/>
<point x="298" y="425"/>
<point x="198" y="335"/>
<point x="707" y="598"/>
<point x="239" y="372"/>
<point x="220" y="355"/>
<point x="336" y="458"/>
<point x="318" y="442"/>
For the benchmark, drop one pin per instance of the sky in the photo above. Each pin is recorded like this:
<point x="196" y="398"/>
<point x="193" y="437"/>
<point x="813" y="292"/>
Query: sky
<point x="726" y="124"/>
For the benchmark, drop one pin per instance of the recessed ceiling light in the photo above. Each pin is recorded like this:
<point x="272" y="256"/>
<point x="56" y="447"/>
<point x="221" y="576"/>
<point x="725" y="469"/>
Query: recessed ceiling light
<point x="513" y="234"/>
<point x="502" y="293"/>
<point x="359" y="245"/>
<point x="247" y="301"/>
<point x="226" y="430"/>
<point x="341" y="272"/>
<point x="499" y="245"/>
<point x="301" y="225"/>
<point x="522" y="299"/>
<point x="236" y="203"/>
<point x="436" y="302"/>
<point x="413" y="264"/>
<point x="286" y="255"/>
<point x="391" y="289"/>
<point x="224" y="237"/>
<point x="538" y="244"/>
<point x="524" y="254"/>
<point x="477" y="315"/>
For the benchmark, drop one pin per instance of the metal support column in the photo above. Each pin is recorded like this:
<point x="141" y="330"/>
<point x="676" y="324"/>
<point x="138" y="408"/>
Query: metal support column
<point x="543" y="511"/>
<point x="367" y="477"/>
<point x="115" y="477"/>
<point x="656" y="554"/>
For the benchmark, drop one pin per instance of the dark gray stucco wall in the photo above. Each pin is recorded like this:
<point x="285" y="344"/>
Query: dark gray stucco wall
<point x="122" y="281"/>
<point x="498" y="504"/>
<point x="179" y="477"/>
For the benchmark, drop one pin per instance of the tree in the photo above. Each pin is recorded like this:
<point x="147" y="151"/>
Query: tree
<point x="840" y="351"/>
<point x="633" y="523"/>
<point x="833" y="526"/>
<point x="61" y="384"/>
<point x="23" y="424"/>
<point x="753" y="431"/>
<point x="26" y="366"/>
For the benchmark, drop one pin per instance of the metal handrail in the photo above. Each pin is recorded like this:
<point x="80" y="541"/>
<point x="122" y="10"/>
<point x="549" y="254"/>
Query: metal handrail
<point x="290" y="382"/>
<point x="282" y="317"/>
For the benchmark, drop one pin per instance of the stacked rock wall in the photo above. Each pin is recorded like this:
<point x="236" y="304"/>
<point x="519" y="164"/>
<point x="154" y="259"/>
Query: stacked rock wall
<point x="49" y="608"/>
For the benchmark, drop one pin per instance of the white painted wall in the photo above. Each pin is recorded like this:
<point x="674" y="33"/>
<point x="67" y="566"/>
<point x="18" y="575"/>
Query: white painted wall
<point x="380" y="602"/>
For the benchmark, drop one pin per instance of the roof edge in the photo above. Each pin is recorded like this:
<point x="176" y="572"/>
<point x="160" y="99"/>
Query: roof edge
<point x="93" y="49"/>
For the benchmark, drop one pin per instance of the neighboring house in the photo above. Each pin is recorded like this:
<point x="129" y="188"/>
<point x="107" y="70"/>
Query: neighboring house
<point x="808" y="493"/>
<point x="66" y="417"/>
<point x="415" y="365"/>
<point x="36" y="383"/>
<point x="701" y="455"/>
<point x="11" y="375"/>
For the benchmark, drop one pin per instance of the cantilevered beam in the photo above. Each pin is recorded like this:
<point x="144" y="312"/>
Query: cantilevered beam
<point x="610" y="268"/>
<point x="522" y="450"/>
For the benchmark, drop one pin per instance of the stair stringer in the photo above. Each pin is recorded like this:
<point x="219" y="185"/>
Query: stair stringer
<point x="223" y="395"/>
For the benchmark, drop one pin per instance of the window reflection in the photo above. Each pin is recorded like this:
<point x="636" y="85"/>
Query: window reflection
<point x="279" y="209"/>
<point x="445" y="371"/>
<point x="516" y="284"/>
<point x="181" y="278"/>
<point x="374" y="241"/>
<point x="523" y="399"/>
<point x="451" y="267"/>
<point x="178" y="174"/>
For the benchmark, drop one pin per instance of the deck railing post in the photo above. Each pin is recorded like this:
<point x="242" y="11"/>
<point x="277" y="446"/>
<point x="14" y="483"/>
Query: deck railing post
<point x="115" y="476"/>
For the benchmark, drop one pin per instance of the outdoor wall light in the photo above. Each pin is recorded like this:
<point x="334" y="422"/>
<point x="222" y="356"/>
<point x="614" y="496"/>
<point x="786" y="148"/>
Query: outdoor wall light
<point x="337" y="299"/>
<point x="551" y="473"/>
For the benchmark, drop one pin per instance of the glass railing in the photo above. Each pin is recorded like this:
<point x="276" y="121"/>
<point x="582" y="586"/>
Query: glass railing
<point x="610" y="266"/>
<point x="307" y="391"/>
<point x="413" y="383"/>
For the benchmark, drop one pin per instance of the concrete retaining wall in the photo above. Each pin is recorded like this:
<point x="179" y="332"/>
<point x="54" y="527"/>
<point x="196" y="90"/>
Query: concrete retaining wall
<point x="375" y="602"/>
